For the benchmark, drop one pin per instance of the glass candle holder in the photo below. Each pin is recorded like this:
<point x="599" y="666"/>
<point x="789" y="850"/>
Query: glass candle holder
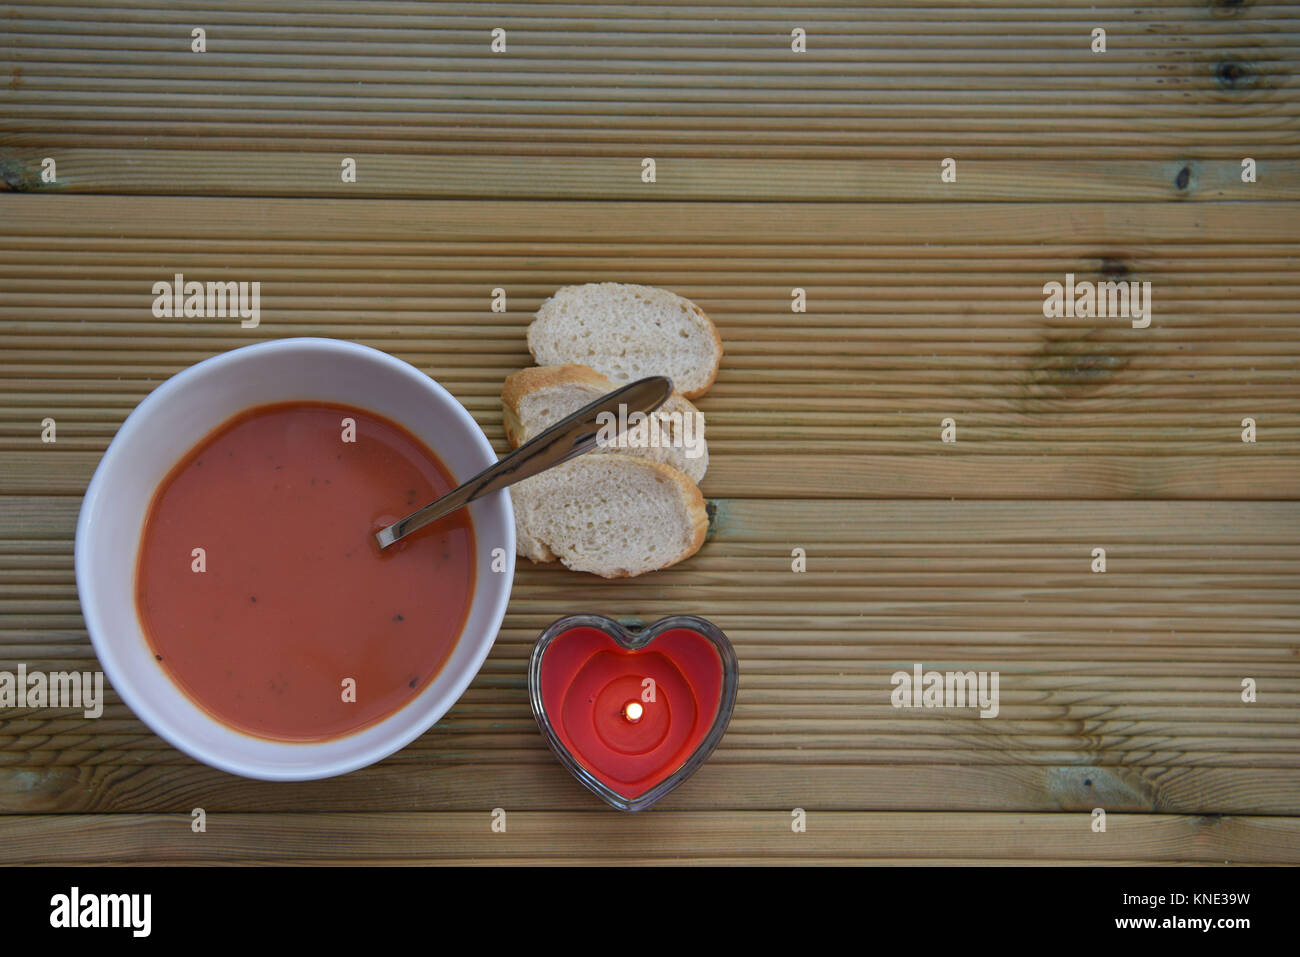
<point x="632" y="713"/>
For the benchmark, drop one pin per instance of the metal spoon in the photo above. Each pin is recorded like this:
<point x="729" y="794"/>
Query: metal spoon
<point x="568" y="438"/>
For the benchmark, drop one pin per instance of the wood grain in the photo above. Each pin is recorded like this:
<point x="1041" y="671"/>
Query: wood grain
<point x="664" y="837"/>
<point x="536" y="783"/>
<point x="228" y="172"/>
<point x="719" y="81"/>
<point x="1107" y="682"/>
<point x="774" y="171"/>
<point x="856" y="388"/>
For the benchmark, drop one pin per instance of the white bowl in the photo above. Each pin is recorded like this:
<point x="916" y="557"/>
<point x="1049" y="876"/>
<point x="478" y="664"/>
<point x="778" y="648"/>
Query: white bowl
<point x="163" y="428"/>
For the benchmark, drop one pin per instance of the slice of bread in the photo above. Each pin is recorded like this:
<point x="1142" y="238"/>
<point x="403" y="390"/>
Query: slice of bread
<point x="612" y="515"/>
<point x="536" y="398"/>
<point x="627" y="332"/>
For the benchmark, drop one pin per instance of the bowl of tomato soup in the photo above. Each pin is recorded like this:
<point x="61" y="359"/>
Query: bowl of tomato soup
<point x="228" y="573"/>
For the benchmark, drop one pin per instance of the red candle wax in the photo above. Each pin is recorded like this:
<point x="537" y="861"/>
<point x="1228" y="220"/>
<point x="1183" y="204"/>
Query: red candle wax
<point x="588" y="680"/>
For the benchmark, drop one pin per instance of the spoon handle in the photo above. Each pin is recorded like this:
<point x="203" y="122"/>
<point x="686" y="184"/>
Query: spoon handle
<point x="571" y="436"/>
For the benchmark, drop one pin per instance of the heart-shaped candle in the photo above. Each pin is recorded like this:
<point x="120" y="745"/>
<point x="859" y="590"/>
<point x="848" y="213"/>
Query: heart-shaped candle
<point x="632" y="713"/>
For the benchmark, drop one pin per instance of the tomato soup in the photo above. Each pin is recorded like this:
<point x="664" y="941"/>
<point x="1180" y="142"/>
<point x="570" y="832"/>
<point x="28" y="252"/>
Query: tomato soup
<point x="262" y="591"/>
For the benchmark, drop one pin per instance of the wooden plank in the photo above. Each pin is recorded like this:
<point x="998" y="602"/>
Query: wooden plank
<point x="855" y="388"/>
<point x="996" y="530"/>
<point x="661" y="836"/>
<point x="684" y="82"/>
<point x="1083" y="476"/>
<point x="775" y="170"/>
<point x="210" y="172"/>
<point x="537" y="786"/>
<point x="842" y="230"/>
<point x="1137" y="672"/>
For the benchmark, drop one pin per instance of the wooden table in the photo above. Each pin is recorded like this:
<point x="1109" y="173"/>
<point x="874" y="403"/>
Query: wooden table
<point x="774" y="170"/>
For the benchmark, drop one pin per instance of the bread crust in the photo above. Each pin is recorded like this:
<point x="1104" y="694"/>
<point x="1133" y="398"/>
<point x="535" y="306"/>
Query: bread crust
<point x="519" y="385"/>
<point x="688" y="494"/>
<point x="708" y="324"/>
<point x="526" y="381"/>
<point x="691" y="497"/>
<point x="699" y="512"/>
<point x="711" y="327"/>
